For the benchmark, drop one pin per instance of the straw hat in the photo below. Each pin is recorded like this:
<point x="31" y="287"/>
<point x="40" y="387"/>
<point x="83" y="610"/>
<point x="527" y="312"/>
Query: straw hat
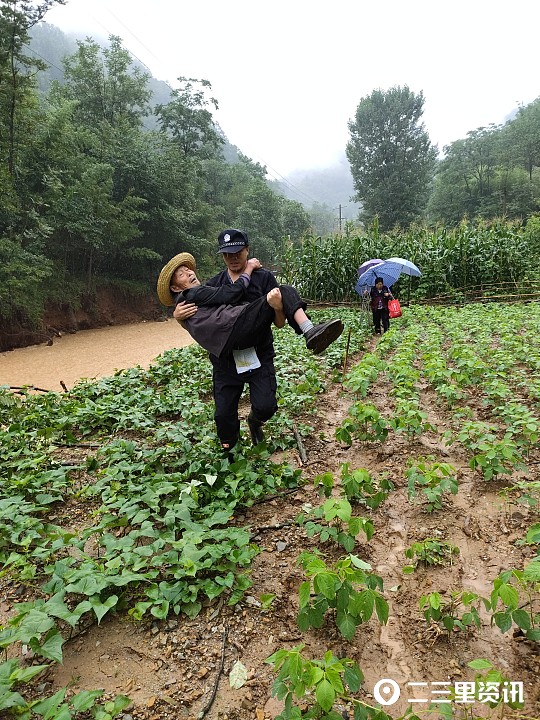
<point x="164" y="280"/>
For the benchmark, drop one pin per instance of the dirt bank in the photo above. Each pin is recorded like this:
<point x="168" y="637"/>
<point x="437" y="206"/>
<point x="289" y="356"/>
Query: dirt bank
<point x="110" y="305"/>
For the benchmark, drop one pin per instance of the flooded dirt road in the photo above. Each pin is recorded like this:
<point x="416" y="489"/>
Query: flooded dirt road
<point x="90" y="354"/>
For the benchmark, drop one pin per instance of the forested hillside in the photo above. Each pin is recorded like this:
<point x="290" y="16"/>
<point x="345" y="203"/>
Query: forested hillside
<point x="326" y="193"/>
<point x="106" y="174"/>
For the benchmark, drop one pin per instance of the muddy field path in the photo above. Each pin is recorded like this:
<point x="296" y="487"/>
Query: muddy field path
<point x="171" y="668"/>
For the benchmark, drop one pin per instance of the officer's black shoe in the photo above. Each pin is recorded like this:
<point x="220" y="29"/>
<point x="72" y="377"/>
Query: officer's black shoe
<point x="255" y="429"/>
<point x="322" y="335"/>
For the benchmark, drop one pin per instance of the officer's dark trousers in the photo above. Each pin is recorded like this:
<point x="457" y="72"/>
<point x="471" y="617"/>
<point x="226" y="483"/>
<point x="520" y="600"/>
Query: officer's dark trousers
<point x="229" y="384"/>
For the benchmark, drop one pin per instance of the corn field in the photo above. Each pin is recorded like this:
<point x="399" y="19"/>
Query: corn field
<point x="499" y="258"/>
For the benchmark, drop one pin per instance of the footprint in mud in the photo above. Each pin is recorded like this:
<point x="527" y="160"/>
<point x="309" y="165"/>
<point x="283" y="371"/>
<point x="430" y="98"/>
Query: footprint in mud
<point x="390" y="544"/>
<point x="391" y="639"/>
<point x="393" y="547"/>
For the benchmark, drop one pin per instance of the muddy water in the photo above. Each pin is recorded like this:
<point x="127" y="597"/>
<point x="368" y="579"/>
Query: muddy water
<point x="90" y="354"/>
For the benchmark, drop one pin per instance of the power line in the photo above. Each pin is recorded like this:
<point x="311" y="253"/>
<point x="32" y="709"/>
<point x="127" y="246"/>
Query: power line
<point x="136" y="38"/>
<point x="290" y="185"/>
<point x="280" y="178"/>
<point x="279" y="175"/>
<point x="51" y="64"/>
<point x="110" y="32"/>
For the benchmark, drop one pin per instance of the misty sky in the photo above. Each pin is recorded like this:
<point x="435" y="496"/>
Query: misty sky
<point x="288" y="74"/>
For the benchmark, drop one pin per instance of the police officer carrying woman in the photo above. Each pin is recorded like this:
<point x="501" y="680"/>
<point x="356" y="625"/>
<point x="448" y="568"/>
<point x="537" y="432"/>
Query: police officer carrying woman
<point x="228" y="383"/>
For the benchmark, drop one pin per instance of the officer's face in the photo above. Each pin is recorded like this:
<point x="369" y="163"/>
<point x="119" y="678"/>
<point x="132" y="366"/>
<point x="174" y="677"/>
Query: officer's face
<point x="236" y="262"/>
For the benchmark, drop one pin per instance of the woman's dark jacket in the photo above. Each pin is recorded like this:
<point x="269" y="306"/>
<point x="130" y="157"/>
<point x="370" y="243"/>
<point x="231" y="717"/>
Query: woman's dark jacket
<point x="218" y="310"/>
<point x="377" y="295"/>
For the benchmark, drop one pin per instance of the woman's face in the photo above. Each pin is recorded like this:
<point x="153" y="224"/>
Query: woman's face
<point x="183" y="278"/>
<point x="379" y="286"/>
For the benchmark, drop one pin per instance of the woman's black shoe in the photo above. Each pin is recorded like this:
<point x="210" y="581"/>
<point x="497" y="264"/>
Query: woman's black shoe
<point x="321" y="336"/>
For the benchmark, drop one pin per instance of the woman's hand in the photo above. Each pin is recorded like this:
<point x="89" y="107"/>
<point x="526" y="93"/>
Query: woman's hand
<point x="274" y="299"/>
<point x="184" y="310"/>
<point x="253" y="264"/>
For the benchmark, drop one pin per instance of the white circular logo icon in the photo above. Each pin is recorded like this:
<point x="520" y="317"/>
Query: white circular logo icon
<point x="386" y="691"/>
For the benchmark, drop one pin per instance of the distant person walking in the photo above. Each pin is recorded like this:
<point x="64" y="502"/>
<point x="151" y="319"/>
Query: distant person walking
<point x="380" y="295"/>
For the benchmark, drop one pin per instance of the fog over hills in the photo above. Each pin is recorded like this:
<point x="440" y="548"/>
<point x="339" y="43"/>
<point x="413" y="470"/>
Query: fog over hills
<point x="331" y="186"/>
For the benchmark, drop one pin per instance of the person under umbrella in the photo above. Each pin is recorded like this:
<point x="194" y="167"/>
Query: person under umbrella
<point x="389" y="270"/>
<point x="380" y="295"/>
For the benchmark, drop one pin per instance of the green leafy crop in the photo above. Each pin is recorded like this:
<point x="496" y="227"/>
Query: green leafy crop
<point x="431" y="481"/>
<point x="339" y="524"/>
<point x="430" y="552"/>
<point x="335" y="587"/>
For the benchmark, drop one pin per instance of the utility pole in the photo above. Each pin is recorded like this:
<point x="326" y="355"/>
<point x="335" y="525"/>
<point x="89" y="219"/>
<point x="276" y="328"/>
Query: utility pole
<point x="340" y="207"/>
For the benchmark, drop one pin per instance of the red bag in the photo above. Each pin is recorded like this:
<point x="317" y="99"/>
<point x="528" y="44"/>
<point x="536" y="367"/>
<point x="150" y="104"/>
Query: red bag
<point x="394" y="308"/>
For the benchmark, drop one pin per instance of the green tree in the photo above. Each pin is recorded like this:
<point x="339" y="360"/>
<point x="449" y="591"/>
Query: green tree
<point x="22" y="230"/>
<point x="391" y="157"/>
<point x="265" y="215"/>
<point x="450" y="200"/>
<point x="517" y="196"/>
<point x="520" y="142"/>
<point x="260" y="216"/>
<point x="175" y="215"/>
<point x="17" y="72"/>
<point x="239" y="195"/>
<point x="227" y="184"/>
<point x="187" y="120"/>
<point x="73" y="173"/>
<point x="472" y="180"/>
<point x="105" y="85"/>
<point x="86" y="164"/>
<point x="19" y="109"/>
<point x="48" y="41"/>
<point x="493" y="172"/>
<point x="295" y="219"/>
<point x="322" y="218"/>
<point x="523" y="134"/>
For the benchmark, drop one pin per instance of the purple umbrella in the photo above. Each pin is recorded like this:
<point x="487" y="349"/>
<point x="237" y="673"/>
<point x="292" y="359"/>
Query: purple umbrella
<point x="369" y="263"/>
